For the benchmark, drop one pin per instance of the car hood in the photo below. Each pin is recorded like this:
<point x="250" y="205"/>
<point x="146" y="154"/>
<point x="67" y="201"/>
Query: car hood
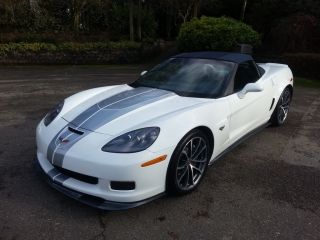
<point x="122" y="108"/>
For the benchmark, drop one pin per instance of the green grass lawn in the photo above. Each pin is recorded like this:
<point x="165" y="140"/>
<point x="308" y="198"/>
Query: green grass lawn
<point x="306" y="82"/>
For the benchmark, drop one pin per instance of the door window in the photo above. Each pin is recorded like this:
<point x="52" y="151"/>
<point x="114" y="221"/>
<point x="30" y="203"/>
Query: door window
<point x="247" y="72"/>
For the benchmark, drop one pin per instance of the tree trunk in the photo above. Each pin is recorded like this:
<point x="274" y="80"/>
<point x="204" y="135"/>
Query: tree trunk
<point x="78" y="6"/>
<point x="243" y="11"/>
<point x="196" y="8"/>
<point x="34" y="5"/>
<point x="168" y="26"/>
<point x="131" y="20"/>
<point x="76" y="21"/>
<point x="139" y="21"/>
<point x="12" y="10"/>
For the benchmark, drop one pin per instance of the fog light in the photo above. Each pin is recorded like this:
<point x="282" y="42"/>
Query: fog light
<point x="122" y="186"/>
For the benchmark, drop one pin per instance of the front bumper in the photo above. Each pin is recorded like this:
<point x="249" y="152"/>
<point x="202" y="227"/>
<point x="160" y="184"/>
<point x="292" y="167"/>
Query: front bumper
<point x="89" y="200"/>
<point x="86" y="158"/>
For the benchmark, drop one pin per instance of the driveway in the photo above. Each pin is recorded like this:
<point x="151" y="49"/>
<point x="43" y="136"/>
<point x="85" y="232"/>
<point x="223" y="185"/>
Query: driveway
<point x="266" y="188"/>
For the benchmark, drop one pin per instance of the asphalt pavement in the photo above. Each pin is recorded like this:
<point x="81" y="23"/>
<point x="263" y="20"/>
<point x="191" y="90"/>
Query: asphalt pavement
<point x="266" y="188"/>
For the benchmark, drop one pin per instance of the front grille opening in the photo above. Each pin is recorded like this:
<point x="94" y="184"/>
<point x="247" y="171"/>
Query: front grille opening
<point x="122" y="186"/>
<point x="75" y="131"/>
<point x="78" y="176"/>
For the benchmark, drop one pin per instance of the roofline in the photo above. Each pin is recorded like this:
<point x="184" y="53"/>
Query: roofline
<point x="234" y="57"/>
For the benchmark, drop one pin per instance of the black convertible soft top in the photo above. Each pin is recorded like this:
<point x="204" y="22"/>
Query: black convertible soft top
<point x="224" y="56"/>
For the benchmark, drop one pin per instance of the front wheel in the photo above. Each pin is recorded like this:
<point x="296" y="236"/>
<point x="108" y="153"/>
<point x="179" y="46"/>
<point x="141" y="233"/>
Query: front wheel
<point x="188" y="163"/>
<point x="280" y="112"/>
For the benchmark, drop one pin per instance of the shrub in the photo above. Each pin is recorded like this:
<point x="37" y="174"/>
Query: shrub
<point x="303" y="64"/>
<point x="26" y="47"/>
<point x="209" y="33"/>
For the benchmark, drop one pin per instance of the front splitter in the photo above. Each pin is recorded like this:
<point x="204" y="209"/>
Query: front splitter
<point x="93" y="201"/>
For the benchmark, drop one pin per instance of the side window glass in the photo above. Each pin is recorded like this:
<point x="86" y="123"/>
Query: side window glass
<point x="247" y="72"/>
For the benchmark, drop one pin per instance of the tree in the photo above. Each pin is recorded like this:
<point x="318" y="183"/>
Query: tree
<point x="54" y="15"/>
<point x="15" y="14"/>
<point x="131" y="20"/>
<point x="139" y="32"/>
<point x="77" y="7"/>
<point x="196" y="8"/>
<point x="243" y="10"/>
<point x="184" y="8"/>
<point x="10" y="7"/>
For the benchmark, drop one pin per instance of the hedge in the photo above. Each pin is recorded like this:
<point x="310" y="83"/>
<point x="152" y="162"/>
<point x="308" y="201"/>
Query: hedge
<point x="123" y="52"/>
<point x="209" y="33"/>
<point x="72" y="47"/>
<point x="301" y="64"/>
<point x="304" y="64"/>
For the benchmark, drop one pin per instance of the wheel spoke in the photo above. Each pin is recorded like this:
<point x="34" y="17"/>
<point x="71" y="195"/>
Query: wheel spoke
<point x="283" y="106"/>
<point x="198" y="146"/>
<point x="198" y="161"/>
<point x="182" y="167"/>
<point x="198" y="169"/>
<point x="183" y="174"/>
<point x="192" y="174"/>
<point x="187" y="178"/>
<point x="184" y="152"/>
<point x="286" y="102"/>
<point x="281" y="114"/>
<point x="284" y="112"/>
<point x="199" y="152"/>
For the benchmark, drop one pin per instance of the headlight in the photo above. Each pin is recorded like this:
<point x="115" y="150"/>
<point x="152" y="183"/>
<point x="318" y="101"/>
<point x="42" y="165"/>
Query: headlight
<point x="53" y="113"/>
<point x="135" y="141"/>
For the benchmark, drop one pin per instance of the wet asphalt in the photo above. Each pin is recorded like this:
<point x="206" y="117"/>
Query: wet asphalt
<point x="266" y="188"/>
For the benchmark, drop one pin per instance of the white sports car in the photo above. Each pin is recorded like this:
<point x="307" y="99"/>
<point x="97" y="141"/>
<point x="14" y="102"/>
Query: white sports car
<point x="118" y="147"/>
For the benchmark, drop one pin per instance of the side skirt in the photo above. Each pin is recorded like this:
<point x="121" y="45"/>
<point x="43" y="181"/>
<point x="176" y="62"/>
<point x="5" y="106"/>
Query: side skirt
<point x="239" y="141"/>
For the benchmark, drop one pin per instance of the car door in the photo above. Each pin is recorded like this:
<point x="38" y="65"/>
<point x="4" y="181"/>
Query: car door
<point x="250" y="110"/>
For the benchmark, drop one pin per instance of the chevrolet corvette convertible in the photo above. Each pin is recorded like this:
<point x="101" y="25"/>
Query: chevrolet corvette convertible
<point x="118" y="147"/>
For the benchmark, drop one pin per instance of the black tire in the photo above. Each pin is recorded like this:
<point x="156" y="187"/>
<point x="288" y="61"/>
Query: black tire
<point x="183" y="159"/>
<point x="281" y="110"/>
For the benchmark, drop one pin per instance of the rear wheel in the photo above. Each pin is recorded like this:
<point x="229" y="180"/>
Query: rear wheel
<point x="280" y="112"/>
<point x="188" y="163"/>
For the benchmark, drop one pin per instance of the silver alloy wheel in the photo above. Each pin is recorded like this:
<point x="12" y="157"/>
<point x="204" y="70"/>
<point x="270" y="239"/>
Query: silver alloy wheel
<point x="284" y="105"/>
<point x="192" y="163"/>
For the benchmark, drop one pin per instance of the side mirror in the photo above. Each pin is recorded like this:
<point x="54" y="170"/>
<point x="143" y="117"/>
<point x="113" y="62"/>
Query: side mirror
<point x="143" y="73"/>
<point x="250" y="87"/>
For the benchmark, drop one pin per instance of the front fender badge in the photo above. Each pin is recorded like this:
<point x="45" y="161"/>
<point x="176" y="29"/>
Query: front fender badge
<point x="63" y="140"/>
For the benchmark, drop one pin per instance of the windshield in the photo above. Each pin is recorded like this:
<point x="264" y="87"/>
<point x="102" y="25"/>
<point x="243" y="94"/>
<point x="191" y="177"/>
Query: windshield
<point x="189" y="77"/>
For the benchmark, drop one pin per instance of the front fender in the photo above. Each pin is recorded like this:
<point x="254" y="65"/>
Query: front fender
<point x="213" y="115"/>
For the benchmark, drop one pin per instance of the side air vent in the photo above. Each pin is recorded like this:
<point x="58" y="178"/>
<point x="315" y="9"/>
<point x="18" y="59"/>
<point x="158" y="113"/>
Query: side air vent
<point x="272" y="104"/>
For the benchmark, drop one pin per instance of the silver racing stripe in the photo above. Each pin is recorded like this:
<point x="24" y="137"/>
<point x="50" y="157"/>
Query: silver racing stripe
<point x="107" y="113"/>
<point x="56" y="176"/>
<point x="96" y="108"/>
<point x="61" y="143"/>
<point x="98" y="115"/>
